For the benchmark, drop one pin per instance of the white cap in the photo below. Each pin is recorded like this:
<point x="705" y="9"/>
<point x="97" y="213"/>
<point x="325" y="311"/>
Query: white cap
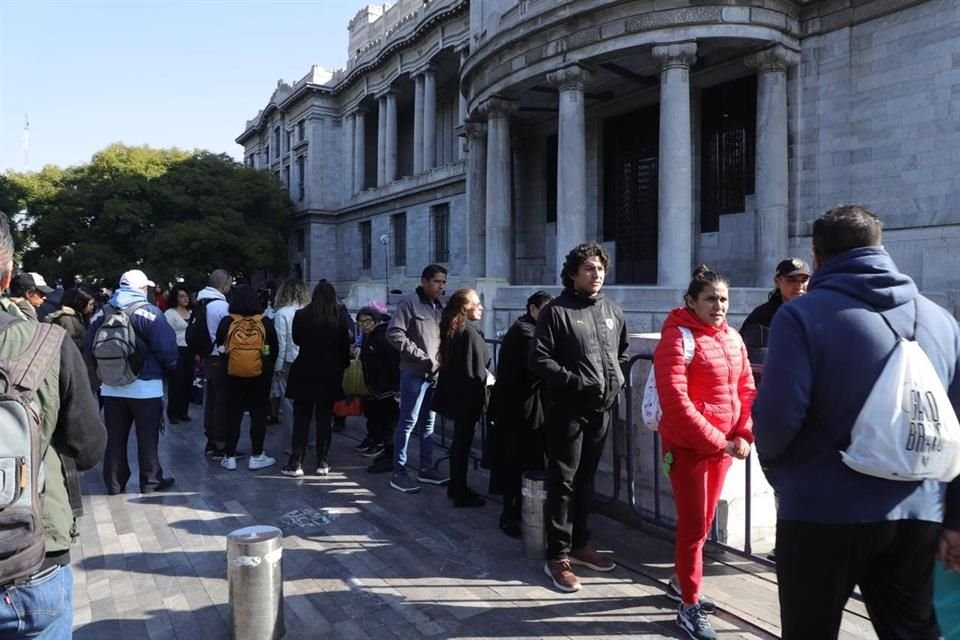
<point x="136" y="279"/>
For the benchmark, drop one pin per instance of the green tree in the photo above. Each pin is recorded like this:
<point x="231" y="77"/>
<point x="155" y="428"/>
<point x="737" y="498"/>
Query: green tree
<point x="172" y="213"/>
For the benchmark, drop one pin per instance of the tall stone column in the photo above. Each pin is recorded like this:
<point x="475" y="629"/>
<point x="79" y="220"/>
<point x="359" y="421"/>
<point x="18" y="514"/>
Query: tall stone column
<point x="770" y="229"/>
<point x="476" y="132"/>
<point x="499" y="236"/>
<point x="571" y="162"/>
<point x="360" y="152"/>
<point x="390" y="148"/>
<point x="675" y="215"/>
<point x="464" y="51"/>
<point x="417" y="124"/>
<point x="429" y="119"/>
<point x="349" y="139"/>
<point x="381" y="141"/>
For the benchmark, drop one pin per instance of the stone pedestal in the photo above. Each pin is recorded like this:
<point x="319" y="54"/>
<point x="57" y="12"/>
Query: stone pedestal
<point x="571" y="162"/>
<point x="772" y="171"/>
<point x="675" y="216"/>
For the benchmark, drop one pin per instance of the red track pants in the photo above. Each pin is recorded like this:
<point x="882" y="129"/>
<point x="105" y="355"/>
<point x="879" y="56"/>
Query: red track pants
<point x="697" y="483"/>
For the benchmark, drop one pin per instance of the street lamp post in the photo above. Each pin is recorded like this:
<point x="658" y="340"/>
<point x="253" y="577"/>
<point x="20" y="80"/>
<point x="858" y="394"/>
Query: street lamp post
<point x="385" y="240"/>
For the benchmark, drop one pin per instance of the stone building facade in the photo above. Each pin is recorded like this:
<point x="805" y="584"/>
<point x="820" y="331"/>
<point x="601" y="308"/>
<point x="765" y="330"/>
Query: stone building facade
<point x="493" y="135"/>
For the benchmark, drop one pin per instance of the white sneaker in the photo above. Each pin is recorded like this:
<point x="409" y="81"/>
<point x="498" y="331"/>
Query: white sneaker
<point x="229" y="463"/>
<point x="323" y="470"/>
<point x="261" y="461"/>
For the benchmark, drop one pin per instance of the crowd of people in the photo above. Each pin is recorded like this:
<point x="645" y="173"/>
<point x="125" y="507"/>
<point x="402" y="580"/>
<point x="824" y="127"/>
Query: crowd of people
<point x="825" y="337"/>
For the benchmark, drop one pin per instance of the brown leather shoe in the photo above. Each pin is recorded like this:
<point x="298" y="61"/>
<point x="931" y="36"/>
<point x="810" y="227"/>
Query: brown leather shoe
<point x="563" y="578"/>
<point x="587" y="556"/>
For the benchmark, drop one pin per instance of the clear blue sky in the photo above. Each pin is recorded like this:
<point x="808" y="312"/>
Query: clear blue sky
<point x="185" y="73"/>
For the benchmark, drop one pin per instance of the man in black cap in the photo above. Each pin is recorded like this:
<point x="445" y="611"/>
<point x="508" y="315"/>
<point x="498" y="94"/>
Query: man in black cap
<point x="790" y="281"/>
<point x="28" y="290"/>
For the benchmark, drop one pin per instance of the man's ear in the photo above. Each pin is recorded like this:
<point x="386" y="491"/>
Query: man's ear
<point x="7" y="279"/>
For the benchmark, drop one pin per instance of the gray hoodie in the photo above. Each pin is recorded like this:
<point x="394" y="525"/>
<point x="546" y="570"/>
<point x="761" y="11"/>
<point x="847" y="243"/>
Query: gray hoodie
<point x="414" y="331"/>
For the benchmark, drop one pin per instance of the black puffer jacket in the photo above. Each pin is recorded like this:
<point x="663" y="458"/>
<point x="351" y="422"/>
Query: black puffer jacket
<point x="381" y="363"/>
<point x="580" y="341"/>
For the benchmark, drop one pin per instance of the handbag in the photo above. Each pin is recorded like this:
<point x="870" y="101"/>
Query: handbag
<point x="348" y="407"/>
<point x="353" y="384"/>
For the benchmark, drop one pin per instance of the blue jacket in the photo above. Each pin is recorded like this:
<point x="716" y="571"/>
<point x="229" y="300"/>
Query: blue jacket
<point x="156" y="339"/>
<point x="827" y="349"/>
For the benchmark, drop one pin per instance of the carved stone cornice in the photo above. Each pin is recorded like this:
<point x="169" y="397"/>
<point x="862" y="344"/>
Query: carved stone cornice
<point x="475" y="130"/>
<point x="776" y="58"/>
<point x="497" y="107"/>
<point x="675" y="55"/>
<point x="571" y="77"/>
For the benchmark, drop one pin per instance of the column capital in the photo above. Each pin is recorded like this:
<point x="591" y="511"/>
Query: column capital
<point x="463" y="48"/>
<point x="572" y="76"/>
<point x="384" y="93"/>
<point x="776" y="58"/>
<point x="497" y="107"/>
<point x="428" y="68"/>
<point x="676" y="54"/>
<point x="475" y="130"/>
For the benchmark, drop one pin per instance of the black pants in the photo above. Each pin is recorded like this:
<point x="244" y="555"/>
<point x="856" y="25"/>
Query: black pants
<point x="119" y="414"/>
<point x="180" y="385"/>
<point x="246" y="394"/>
<point x="524" y="451"/>
<point x="303" y="412"/>
<point x="574" y="445"/>
<point x="381" y="416"/>
<point x="818" y="566"/>
<point x="463" y="431"/>
<point x="214" y="403"/>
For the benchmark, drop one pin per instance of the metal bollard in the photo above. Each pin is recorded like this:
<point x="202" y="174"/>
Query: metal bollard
<point x="255" y="581"/>
<point x="534" y="515"/>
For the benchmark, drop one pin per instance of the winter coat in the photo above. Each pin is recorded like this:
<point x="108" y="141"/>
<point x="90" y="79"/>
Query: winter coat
<point x="415" y="332"/>
<point x="827" y="349"/>
<point x="755" y="330"/>
<point x="579" y="348"/>
<point x="462" y="390"/>
<point x="706" y="403"/>
<point x="283" y="322"/>
<point x="317" y="373"/>
<point x="381" y="363"/>
<point x="70" y="321"/>
<point x="517" y="403"/>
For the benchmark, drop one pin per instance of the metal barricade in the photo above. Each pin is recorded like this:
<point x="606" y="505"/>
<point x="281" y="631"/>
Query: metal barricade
<point x="255" y="583"/>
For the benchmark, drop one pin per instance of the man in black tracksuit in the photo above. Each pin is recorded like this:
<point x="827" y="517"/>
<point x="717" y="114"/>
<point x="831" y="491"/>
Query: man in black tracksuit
<point x="578" y="349"/>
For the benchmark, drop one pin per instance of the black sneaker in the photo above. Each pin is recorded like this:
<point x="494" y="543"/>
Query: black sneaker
<point x="674" y="593"/>
<point x="373" y="450"/>
<point x="694" y="621"/>
<point x="363" y="446"/>
<point x="213" y="453"/>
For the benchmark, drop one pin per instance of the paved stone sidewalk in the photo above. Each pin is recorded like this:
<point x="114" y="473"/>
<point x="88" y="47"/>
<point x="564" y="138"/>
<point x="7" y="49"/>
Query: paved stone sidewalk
<point x="362" y="561"/>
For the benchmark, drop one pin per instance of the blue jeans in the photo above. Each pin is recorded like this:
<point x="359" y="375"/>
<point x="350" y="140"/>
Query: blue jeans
<point x="43" y="606"/>
<point x="414" y="390"/>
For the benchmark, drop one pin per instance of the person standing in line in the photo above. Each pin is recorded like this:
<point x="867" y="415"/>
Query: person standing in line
<point x="706" y="423"/>
<point x="212" y="301"/>
<point x="463" y="386"/>
<point x="381" y="373"/>
<point x="28" y="290"/>
<point x="180" y="380"/>
<point x="73" y="315"/>
<point x="248" y="342"/>
<point x="415" y="332"/>
<point x="316" y="376"/>
<point x="292" y="295"/>
<point x="139" y="402"/>
<point x="790" y="281"/>
<point x="579" y="348"/>
<point x="518" y="440"/>
<point x="71" y="434"/>
<point x="838" y="528"/>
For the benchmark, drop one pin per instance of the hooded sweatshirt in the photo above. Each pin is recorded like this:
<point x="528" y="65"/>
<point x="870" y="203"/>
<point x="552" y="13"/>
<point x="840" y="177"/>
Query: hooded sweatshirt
<point x="217" y="310"/>
<point x="156" y="340"/>
<point x="827" y="350"/>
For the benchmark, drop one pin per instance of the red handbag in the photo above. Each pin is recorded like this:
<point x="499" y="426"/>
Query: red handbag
<point x="348" y="407"/>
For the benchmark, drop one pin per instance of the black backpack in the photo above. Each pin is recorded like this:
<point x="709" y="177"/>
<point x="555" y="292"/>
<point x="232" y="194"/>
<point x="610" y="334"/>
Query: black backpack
<point x="197" y="336"/>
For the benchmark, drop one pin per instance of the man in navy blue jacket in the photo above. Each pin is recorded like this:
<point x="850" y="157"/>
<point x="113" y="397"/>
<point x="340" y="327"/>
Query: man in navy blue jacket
<point x="141" y="401"/>
<point x="838" y="528"/>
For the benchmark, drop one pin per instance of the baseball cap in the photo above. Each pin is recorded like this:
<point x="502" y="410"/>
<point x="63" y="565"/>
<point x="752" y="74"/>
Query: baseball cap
<point x="33" y="280"/>
<point x="793" y="267"/>
<point x="136" y="279"/>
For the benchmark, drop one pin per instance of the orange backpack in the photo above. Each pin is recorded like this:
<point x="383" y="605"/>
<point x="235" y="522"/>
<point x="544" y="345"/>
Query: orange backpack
<point x="245" y="345"/>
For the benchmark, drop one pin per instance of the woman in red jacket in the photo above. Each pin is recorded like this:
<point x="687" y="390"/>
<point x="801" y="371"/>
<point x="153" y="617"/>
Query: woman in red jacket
<point x="706" y="423"/>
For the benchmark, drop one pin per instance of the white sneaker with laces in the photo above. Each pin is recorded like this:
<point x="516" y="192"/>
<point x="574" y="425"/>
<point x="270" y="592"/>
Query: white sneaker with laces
<point x="229" y="463"/>
<point x="261" y="461"/>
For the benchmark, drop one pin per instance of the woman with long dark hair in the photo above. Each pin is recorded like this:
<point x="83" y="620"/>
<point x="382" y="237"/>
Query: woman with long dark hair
<point x="76" y="307"/>
<point x="316" y="376"/>
<point x="706" y="401"/>
<point x="180" y="380"/>
<point x="462" y="386"/>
